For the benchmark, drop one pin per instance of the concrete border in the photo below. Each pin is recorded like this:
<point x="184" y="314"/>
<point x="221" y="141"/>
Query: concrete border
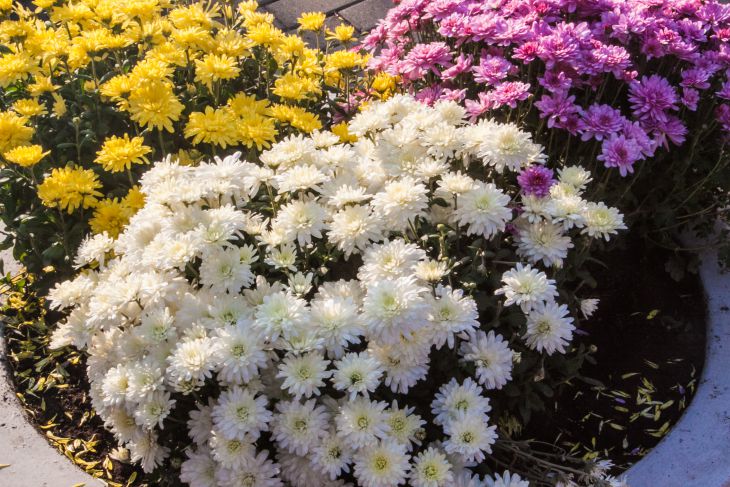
<point x="696" y="453"/>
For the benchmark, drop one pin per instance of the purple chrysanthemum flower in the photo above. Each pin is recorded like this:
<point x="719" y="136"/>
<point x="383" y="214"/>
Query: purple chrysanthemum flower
<point x="491" y="69"/>
<point x="557" y="108"/>
<point x="509" y="93"/>
<point x="536" y="180"/>
<point x="652" y="97"/>
<point x="425" y="58"/>
<point x="690" y="98"/>
<point x="600" y="121"/>
<point x="462" y="64"/>
<point x="620" y="152"/>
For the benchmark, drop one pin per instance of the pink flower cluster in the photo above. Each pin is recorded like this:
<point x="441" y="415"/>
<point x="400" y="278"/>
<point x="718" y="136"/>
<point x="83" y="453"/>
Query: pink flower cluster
<point x="632" y="75"/>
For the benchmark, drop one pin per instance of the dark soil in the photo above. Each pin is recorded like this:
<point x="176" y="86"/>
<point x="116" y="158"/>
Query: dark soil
<point x="649" y="331"/>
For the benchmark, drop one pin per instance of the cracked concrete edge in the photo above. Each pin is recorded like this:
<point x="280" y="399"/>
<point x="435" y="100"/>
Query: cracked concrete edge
<point x="31" y="460"/>
<point x="696" y="452"/>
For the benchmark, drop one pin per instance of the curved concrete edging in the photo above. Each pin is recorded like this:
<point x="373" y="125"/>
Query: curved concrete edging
<point x="31" y="461"/>
<point x="696" y="453"/>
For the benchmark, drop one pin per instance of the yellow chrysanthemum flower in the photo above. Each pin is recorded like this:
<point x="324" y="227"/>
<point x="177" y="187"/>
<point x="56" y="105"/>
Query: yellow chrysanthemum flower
<point x="311" y="20"/>
<point x="25" y="155"/>
<point x="15" y="66"/>
<point x="294" y="87"/>
<point x="193" y="37"/>
<point x="230" y="42"/>
<point x="150" y="70"/>
<point x="252" y="19"/>
<point x="29" y="107"/>
<point x="117" y="88"/>
<point x="42" y="85"/>
<point x="265" y="34"/>
<point x="70" y="188"/>
<point x="257" y="131"/>
<point x="195" y="15"/>
<point x="343" y="33"/>
<point x="110" y="216"/>
<point x="341" y="131"/>
<point x="214" y="126"/>
<point x="383" y="82"/>
<point x="292" y="46"/>
<point x="134" y="199"/>
<point x="214" y="67"/>
<point x="244" y="105"/>
<point x="59" y="105"/>
<point x="155" y="105"/>
<point x="297" y="117"/>
<point x="6" y="5"/>
<point x="44" y="4"/>
<point x="13" y="131"/>
<point x="343" y="60"/>
<point x="119" y="153"/>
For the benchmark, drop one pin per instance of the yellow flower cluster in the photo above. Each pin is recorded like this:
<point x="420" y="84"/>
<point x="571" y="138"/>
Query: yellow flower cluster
<point x="92" y="90"/>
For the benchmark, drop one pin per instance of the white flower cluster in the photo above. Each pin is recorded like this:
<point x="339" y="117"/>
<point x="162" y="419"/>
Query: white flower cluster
<point x="280" y="303"/>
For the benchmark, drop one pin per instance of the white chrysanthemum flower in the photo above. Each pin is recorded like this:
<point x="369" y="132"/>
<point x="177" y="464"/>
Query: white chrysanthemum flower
<point x="391" y="308"/>
<point x="222" y="224"/>
<point x="401" y="372"/>
<point x="343" y="195"/>
<point x="401" y="202"/>
<point x="300" y="283"/>
<point x="483" y="210"/>
<point x="451" y="313"/>
<point x="506" y="479"/>
<point x="191" y="361"/>
<point x="115" y="384"/>
<point x="301" y="221"/>
<point x="465" y="478"/>
<point x="431" y="469"/>
<point x="574" y="176"/>
<point x="239" y="353"/>
<point x="506" y="146"/>
<point x="324" y="138"/>
<point x="588" y="306"/>
<point x="304" y="374"/>
<point x="200" y="424"/>
<point x="390" y="260"/>
<point x="336" y="320"/>
<point x="239" y="413"/>
<point x="455" y="183"/>
<point x="258" y="472"/>
<point x="72" y="293"/>
<point x="156" y="326"/>
<point x="147" y="451"/>
<point x="283" y="257"/>
<point x="144" y="378"/>
<point x="279" y="314"/>
<point x="295" y="149"/>
<point x="383" y="464"/>
<point x="404" y="426"/>
<point x="441" y="140"/>
<point x="470" y="437"/>
<point x="300" y="178"/>
<point x="332" y="456"/>
<point x="526" y="287"/>
<point x="153" y="410"/>
<point x="299" y="427"/>
<point x="123" y="424"/>
<point x="491" y="356"/>
<point x="450" y="112"/>
<point x="454" y="399"/>
<point x="232" y="453"/>
<point x="568" y="211"/>
<point x="549" y="328"/>
<point x="361" y="422"/>
<point x="543" y="242"/>
<point x="94" y="248"/>
<point x="602" y="221"/>
<point x="431" y="270"/>
<point x="357" y="373"/>
<point x="353" y="228"/>
<point x="224" y="270"/>
<point x="199" y="469"/>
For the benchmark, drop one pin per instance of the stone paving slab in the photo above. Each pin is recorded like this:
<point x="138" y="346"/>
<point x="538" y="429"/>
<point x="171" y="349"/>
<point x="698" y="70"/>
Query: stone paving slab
<point x="362" y="14"/>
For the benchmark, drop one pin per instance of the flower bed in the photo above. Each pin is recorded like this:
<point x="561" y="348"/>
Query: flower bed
<point x="324" y="281"/>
